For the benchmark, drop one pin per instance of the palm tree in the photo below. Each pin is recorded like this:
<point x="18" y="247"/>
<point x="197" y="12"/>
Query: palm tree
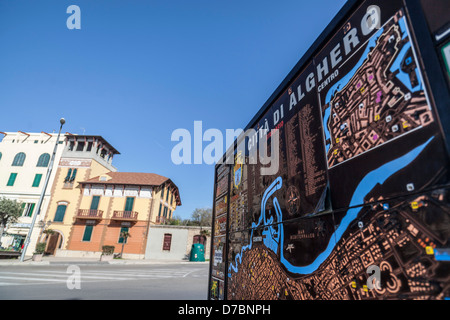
<point x="124" y="235"/>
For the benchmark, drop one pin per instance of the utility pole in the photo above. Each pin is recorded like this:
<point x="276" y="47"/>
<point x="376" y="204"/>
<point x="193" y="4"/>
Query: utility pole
<point x="41" y="199"/>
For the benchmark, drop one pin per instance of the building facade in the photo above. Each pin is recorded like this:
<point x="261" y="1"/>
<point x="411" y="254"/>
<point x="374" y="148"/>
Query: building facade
<point x="24" y="162"/>
<point x="118" y="202"/>
<point x="87" y="203"/>
<point x="82" y="158"/>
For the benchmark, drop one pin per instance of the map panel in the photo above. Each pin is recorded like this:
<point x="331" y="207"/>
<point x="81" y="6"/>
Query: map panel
<point x="380" y="99"/>
<point x="359" y="207"/>
<point x="219" y="239"/>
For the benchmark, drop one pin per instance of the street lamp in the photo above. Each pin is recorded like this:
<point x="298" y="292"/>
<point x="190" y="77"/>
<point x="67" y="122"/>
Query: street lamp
<point x="41" y="198"/>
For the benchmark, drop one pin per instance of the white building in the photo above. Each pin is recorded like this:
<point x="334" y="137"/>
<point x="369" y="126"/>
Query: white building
<point x="167" y="242"/>
<point x="24" y="161"/>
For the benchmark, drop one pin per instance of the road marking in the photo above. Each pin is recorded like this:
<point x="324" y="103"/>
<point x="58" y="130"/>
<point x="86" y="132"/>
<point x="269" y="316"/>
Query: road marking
<point x="45" y="276"/>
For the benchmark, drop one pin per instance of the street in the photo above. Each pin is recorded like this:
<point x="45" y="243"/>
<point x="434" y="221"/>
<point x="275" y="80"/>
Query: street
<point x="104" y="282"/>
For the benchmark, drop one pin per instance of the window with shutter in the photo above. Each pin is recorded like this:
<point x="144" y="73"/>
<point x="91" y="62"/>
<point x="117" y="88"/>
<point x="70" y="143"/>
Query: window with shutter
<point x="12" y="179"/>
<point x="43" y="160"/>
<point x="167" y="242"/>
<point x="88" y="233"/>
<point x="94" y="203"/>
<point x="37" y="180"/>
<point x="129" y="204"/>
<point x="60" y="212"/>
<point x="19" y="159"/>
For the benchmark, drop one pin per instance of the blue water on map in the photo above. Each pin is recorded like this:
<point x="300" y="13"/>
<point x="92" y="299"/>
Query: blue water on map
<point x="275" y="238"/>
<point x="403" y="77"/>
<point x="344" y="80"/>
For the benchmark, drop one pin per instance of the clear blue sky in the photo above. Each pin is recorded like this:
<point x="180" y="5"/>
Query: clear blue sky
<point x="138" y="70"/>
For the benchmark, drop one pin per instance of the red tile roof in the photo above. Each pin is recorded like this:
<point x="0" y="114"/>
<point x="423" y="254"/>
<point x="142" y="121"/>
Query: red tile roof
<point x="136" y="179"/>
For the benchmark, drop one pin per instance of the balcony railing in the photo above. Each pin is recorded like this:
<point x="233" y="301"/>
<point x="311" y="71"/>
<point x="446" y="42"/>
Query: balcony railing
<point x="125" y="215"/>
<point x="89" y="214"/>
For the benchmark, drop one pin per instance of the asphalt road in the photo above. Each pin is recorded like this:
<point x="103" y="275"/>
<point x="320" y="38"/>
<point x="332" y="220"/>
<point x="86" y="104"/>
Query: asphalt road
<point x="104" y="282"/>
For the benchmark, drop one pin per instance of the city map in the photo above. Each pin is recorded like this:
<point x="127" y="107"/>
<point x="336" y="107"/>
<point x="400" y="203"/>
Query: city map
<point x="360" y="205"/>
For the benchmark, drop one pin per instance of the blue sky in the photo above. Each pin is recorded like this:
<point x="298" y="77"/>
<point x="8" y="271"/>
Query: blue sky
<point x="138" y="70"/>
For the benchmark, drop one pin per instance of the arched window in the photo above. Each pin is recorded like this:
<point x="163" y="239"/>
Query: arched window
<point x="0" y="156"/>
<point x="19" y="159"/>
<point x="43" y="160"/>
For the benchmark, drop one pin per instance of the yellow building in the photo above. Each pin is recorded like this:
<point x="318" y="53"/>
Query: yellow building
<point x="118" y="202"/>
<point x="92" y="203"/>
<point x="83" y="157"/>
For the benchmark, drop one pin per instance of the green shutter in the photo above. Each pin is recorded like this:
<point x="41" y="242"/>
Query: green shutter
<point x="129" y="204"/>
<point x="88" y="233"/>
<point x="74" y="173"/>
<point x="31" y="209"/>
<point x="67" y="178"/>
<point x="37" y="180"/>
<point x="12" y="179"/>
<point x="60" y="212"/>
<point x="94" y="203"/>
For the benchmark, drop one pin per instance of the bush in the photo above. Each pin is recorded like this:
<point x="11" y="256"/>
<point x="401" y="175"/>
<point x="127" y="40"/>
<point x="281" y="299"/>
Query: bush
<point x="40" y="248"/>
<point x="108" y="250"/>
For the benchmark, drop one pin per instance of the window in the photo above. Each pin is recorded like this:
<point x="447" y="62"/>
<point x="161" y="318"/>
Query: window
<point x="167" y="195"/>
<point x="71" y="145"/>
<point x="129" y="204"/>
<point x="160" y="207"/>
<point x="37" y="180"/>
<point x="88" y="233"/>
<point x="121" y="239"/>
<point x="89" y="146"/>
<point x="171" y="198"/>
<point x="12" y="179"/>
<point x="80" y="146"/>
<point x="19" y="159"/>
<point x="94" y="203"/>
<point x="71" y="174"/>
<point x="165" y="212"/>
<point x="167" y="241"/>
<point x="28" y="209"/>
<point x="0" y="156"/>
<point x="162" y="193"/>
<point x="60" y="212"/>
<point x="43" y="160"/>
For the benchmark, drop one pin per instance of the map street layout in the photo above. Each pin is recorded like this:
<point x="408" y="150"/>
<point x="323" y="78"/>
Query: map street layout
<point x="383" y="99"/>
<point x="394" y="239"/>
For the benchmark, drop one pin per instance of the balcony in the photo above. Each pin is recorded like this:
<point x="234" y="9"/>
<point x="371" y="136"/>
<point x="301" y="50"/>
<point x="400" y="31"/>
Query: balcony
<point x="125" y="215"/>
<point x="89" y="214"/>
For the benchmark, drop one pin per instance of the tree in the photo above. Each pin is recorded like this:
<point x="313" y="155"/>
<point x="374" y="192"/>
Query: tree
<point x="175" y="221"/>
<point x="124" y="235"/>
<point x="10" y="211"/>
<point x="202" y="217"/>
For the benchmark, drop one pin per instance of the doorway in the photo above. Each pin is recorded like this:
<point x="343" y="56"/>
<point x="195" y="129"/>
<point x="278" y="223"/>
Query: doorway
<point x="54" y="242"/>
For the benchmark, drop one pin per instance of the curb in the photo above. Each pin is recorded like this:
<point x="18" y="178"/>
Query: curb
<point x="87" y="262"/>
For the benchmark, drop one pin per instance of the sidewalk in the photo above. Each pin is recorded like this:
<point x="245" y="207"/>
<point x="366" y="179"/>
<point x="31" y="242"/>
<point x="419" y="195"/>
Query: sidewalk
<point x="51" y="260"/>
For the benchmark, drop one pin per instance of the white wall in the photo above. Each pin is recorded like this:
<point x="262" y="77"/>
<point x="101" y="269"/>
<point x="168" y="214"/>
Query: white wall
<point x="154" y="249"/>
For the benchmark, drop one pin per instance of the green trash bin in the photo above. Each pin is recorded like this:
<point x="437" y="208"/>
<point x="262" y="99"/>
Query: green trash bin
<point x="197" y="252"/>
